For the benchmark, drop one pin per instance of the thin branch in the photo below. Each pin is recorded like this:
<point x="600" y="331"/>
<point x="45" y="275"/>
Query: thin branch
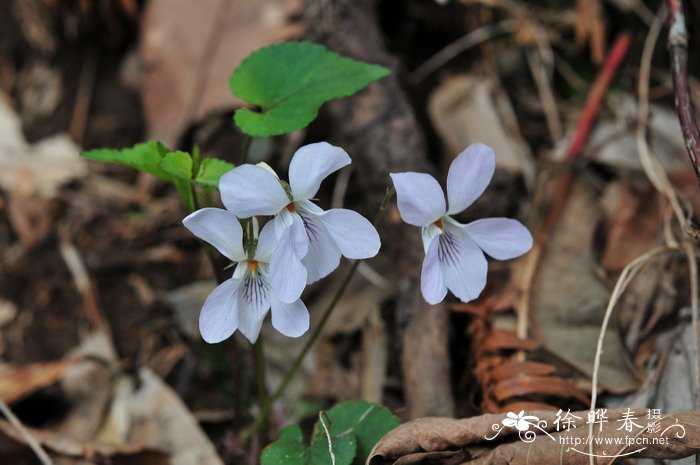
<point x="464" y="43"/>
<point x="622" y="281"/>
<point x="678" y="50"/>
<point x="28" y="438"/>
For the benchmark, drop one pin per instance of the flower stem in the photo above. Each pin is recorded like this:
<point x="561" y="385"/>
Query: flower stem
<point x="263" y="396"/>
<point x="316" y="333"/>
<point x="267" y="406"/>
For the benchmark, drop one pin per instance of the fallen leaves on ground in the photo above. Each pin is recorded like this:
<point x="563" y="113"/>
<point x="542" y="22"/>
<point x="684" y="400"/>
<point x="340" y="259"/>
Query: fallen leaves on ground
<point x="487" y="440"/>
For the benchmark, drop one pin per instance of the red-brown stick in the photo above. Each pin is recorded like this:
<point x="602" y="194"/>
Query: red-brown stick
<point x="597" y="93"/>
<point x="678" y="50"/>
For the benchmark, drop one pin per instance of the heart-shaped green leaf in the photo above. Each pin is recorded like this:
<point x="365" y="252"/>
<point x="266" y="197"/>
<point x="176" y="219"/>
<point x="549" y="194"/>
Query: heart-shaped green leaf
<point x="353" y="427"/>
<point x="290" y="449"/>
<point x="366" y="421"/>
<point x="289" y="82"/>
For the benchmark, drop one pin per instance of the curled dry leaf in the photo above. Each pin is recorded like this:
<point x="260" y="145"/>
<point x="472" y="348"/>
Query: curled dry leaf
<point x="485" y="439"/>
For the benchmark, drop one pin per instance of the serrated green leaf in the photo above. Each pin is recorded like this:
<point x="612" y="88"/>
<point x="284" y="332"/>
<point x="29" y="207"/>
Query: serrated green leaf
<point x="290" y="81"/>
<point x="211" y="170"/>
<point x="177" y="164"/>
<point x="367" y="422"/>
<point x="145" y="156"/>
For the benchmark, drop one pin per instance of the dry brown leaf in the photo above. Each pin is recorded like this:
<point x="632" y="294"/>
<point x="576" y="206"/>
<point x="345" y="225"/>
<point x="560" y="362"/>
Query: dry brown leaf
<point x="569" y="297"/>
<point x="189" y="50"/>
<point x="467" y="109"/>
<point x="13" y="448"/>
<point x="19" y="382"/>
<point x="443" y="441"/>
<point x="634" y="226"/>
<point x="40" y="168"/>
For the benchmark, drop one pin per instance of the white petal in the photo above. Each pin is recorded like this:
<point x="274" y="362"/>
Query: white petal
<point x="287" y="273"/>
<point x="419" y="197"/>
<point x="282" y="221"/>
<point x="219" y="317"/>
<point x="287" y="220"/>
<point x="428" y="233"/>
<point x="469" y="175"/>
<point x="250" y="327"/>
<point x="220" y="228"/>
<point x="249" y="190"/>
<point x="267" y="241"/>
<point x="501" y="238"/>
<point x="462" y="263"/>
<point x="254" y="297"/>
<point x="299" y="238"/>
<point x="292" y="320"/>
<point x="311" y="164"/>
<point x="352" y="233"/>
<point x="323" y="256"/>
<point x="432" y="285"/>
<point x="309" y="206"/>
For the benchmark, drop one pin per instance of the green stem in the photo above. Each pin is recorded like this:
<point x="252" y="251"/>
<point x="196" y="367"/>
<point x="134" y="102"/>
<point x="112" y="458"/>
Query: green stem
<point x="245" y="147"/>
<point x="316" y="334"/>
<point x="267" y="406"/>
<point x="260" y="376"/>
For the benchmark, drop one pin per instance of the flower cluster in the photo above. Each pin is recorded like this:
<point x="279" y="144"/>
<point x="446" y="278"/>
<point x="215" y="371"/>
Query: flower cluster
<point x="454" y="252"/>
<point x="301" y="244"/>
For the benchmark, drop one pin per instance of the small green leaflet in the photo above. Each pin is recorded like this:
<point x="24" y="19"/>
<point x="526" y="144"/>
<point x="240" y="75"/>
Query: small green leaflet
<point x="174" y="167"/>
<point x="290" y="81"/>
<point x="354" y="427"/>
<point x="180" y="165"/>
<point x="177" y="164"/>
<point x="145" y="156"/>
<point x="210" y="171"/>
<point x="154" y="158"/>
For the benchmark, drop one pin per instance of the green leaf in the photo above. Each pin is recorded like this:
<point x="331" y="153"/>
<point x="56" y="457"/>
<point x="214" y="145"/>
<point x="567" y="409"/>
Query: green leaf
<point x="177" y="164"/>
<point x="367" y="422"/>
<point x="211" y="170"/>
<point x="344" y="447"/>
<point x="154" y="158"/>
<point x="290" y="81"/>
<point x="290" y="449"/>
<point x="145" y="156"/>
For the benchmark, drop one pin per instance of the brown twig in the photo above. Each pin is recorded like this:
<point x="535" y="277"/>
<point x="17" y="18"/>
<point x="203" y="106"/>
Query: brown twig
<point x="84" y="285"/>
<point x="86" y="87"/>
<point x="678" y="50"/>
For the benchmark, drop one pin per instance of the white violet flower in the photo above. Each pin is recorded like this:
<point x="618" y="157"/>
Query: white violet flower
<point x="242" y="301"/>
<point x="318" y="237"/>
<point x="454" y="257"/>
